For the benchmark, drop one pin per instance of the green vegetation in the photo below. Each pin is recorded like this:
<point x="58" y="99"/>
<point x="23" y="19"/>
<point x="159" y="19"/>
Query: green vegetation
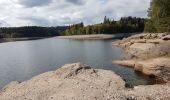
<point x="124" y="25"/>
<point x="159" y="14"/>
<point x="31" y="31"/>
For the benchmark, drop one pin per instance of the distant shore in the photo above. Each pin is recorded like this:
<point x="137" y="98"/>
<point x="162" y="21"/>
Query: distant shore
<point x="77" y="37"/>
<point x="96" y="36"/>
<point x="19" y="39"/>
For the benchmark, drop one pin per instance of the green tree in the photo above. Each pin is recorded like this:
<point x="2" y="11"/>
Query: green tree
<point x="159" y="13"/>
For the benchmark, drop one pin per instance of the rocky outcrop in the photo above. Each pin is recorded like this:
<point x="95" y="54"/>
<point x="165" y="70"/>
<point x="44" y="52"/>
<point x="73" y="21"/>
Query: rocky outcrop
<point x="145" y="45"/>
<point x="147" y="53"/>
<point x="81" y="82"/>
<point x="71" y="82"/>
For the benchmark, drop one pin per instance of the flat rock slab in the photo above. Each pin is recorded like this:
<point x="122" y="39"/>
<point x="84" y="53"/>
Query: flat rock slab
<point x="149" y="67"/>
<point x="71" y="82"/>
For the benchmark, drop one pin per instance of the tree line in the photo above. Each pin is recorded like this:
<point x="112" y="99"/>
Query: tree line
<point x="159" y="16"/>
<point x="31" y="31"/>
<point x="108" y="26"/>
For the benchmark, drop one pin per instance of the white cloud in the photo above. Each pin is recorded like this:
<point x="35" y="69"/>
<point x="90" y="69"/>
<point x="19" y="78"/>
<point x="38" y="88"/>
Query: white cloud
<point x="64" y="12"/>
<point x="32" y="3"/>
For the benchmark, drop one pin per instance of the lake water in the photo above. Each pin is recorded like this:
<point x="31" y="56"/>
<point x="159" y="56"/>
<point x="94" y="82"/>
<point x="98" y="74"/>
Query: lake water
<point x="24" y="59"/>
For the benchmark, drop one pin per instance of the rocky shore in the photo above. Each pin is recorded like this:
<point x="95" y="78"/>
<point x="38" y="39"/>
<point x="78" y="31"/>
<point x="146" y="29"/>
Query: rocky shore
<point x="147" y="53"/>
<point x="81" y="82"/>
<point x="95" y="36"/>
<point x="89" y="37"/>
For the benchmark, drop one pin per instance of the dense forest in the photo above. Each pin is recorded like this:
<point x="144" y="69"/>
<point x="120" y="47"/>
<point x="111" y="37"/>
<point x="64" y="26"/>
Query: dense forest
<point x="31" y="31"/>
<point x="108" y="26"/>
<point x="159" y="16"/>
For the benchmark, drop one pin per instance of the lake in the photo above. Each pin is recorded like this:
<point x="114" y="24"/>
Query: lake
<point x="24" y="59"/>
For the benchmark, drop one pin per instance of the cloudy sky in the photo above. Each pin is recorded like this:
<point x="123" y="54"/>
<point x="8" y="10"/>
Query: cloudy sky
<point x="64" y="12"/>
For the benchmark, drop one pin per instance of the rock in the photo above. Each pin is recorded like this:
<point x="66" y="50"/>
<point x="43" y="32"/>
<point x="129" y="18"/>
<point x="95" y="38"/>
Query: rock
<point x="141" y="50"/>
<point x="167" y="37"/>
<point x="149" y="67"/>
<point x="150" y="92"/>
<point x="151" y="55"/>
<point x="138" y="41"/>
<point x="128" y="63"/>
<point x="80" y="82"/>
<point x="154" y="41"/>
<point x="145" y="48"/>
<point x="10" y="85"/>
<point x="71" y="82"/>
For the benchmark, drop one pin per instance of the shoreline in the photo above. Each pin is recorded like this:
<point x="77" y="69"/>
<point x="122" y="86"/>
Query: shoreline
<point x="76" y="37"/>
<point x="81" y="82"/>
<point x="3" y="40"/>
<point x="97" y="36"/>
<point x="147" y="53"/>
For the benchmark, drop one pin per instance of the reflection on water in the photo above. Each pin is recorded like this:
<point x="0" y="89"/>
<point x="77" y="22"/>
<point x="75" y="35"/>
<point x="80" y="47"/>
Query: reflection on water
<point x="25" y="59"/>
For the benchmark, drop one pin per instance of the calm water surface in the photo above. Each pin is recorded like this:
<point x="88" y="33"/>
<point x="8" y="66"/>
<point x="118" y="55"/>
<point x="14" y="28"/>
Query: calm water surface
<point x="24" y="59"/>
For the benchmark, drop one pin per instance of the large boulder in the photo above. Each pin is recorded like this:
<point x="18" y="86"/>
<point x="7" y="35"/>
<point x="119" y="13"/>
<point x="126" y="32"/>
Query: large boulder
<point x="71" y="82"/>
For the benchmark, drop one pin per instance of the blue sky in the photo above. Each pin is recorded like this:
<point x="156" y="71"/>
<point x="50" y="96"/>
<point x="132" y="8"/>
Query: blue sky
<point x="65" y="12"/>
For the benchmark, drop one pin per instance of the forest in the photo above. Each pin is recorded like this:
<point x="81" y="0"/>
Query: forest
<point x="108" y="26"/>
<point x="31" y="31"/>
<point x="158" y="21"/>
